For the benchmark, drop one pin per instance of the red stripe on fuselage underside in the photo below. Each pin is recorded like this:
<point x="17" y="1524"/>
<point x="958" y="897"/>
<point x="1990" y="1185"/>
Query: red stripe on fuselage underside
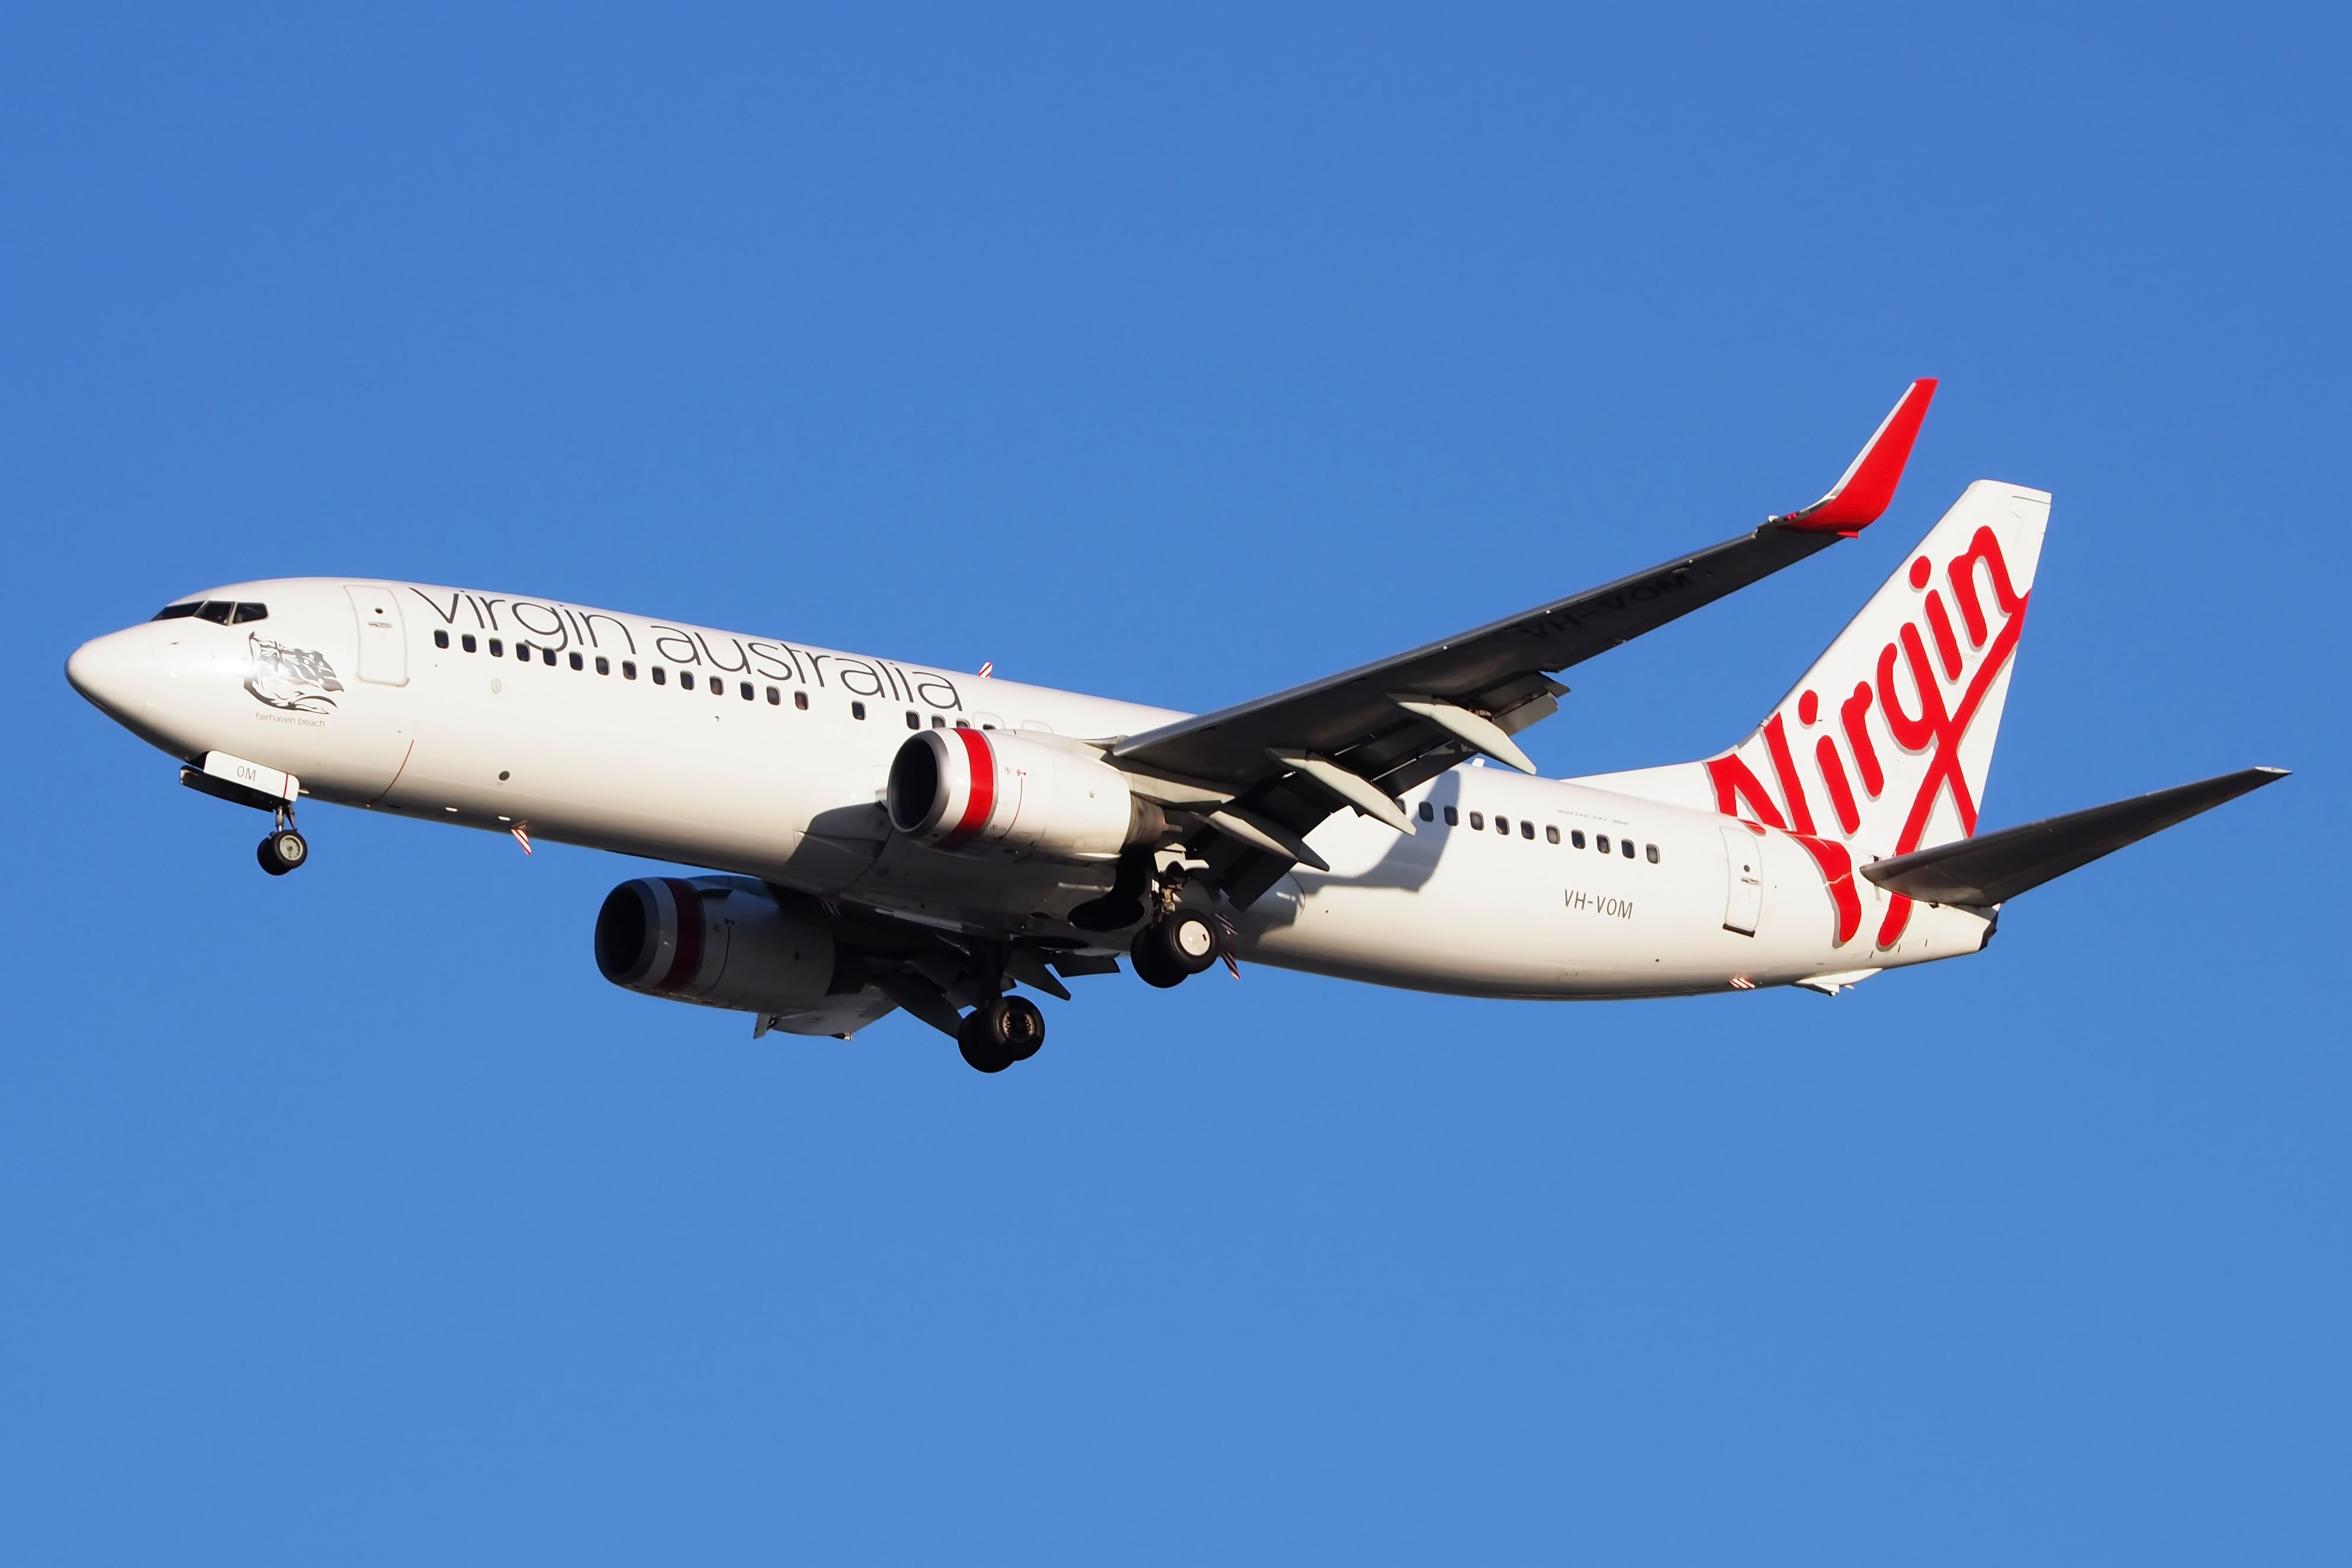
<point x="688" y="956"/>
<point x="981" y="763"/>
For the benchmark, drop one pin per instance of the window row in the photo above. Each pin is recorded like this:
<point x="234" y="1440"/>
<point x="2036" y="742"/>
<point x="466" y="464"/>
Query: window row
<point x="716" y="685"/>
<point x="1526" y="829"/>
<point x="660" y="676"/>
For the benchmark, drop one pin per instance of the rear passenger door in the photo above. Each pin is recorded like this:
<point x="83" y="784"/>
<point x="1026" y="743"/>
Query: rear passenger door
<point x="1743" y="868"/>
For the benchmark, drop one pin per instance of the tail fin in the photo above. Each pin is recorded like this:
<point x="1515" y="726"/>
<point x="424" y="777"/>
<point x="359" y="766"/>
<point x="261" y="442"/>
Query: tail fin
<point x="1886" y="743"/>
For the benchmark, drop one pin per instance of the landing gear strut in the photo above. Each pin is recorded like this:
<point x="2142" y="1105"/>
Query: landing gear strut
<point x="997" y="1033"/>
<point x="1175" y="947"/>
<point x="284" y="849"/>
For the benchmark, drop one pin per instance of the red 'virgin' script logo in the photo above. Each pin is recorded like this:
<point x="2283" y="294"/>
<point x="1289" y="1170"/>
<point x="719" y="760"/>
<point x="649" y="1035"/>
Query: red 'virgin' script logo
<point x="1948" y="689"/>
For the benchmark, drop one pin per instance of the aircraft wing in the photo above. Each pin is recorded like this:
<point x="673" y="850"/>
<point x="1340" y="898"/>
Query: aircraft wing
<point x="1359" y="738"/>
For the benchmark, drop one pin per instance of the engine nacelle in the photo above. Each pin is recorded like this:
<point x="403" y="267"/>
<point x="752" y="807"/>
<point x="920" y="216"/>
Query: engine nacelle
<point x="984" y="792"/>
<point x="719" y="940"/>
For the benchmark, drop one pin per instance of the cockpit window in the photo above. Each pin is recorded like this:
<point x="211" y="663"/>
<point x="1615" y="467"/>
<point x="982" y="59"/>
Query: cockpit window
<point x="220" y="612"/>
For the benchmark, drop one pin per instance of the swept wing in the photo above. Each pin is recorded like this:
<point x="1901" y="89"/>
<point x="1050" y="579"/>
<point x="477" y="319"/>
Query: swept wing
<point x="1276" y="766"/>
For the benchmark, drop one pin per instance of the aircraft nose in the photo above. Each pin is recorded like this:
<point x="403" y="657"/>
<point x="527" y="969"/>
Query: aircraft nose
<point x="116" y="672"/>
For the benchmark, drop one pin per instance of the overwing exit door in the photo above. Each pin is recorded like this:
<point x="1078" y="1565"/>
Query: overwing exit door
<point x="383" y="638"/>
<point x="1743" y="868"/>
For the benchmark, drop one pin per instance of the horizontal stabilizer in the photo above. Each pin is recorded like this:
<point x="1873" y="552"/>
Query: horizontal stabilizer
<point x="1994" y="868"/>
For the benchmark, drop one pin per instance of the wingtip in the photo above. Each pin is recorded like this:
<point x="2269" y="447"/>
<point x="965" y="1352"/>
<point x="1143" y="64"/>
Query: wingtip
<point x="1863" y="492"/>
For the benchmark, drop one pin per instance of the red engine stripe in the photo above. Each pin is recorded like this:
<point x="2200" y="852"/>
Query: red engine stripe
<point x="982" y="761"/>
<point x="688" y="956"/>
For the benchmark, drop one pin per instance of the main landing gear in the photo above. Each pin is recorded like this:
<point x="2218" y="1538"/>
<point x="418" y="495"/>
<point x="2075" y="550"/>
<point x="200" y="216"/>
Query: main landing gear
<point x="1175" y="947"/>
<point x="284" y="850"/>
<point x="995" y="1034"/>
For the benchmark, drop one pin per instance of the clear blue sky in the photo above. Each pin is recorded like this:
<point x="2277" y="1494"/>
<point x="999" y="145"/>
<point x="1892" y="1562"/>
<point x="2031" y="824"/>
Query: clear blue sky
<point x="1177" y="355"/>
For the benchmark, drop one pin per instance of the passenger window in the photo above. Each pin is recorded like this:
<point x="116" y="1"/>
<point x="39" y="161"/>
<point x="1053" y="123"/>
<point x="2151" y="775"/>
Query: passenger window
<point x="1575" y="837"/>
<point x="963" y="723"/>
<point x="800" y="701"/>
<point x="497" y="649"/>
<point x="1600" y="842"/>
<point x="547" y="656"/>
<point x="938" y="723"/>
<point x="718" y="687"/>
<point x="1503" y="825"/>
<point x="857" y="710"/>
<point x="685" y="681"/>
<point x="1428" y="812"/>
<point x="1626" y="845"/>
<point x="578" y="662"/>
<point x="1551" y="834"/>
<point x="1478" y="821"/>
<point x="660" y="678"/>
<point x="465" y="641"/>
<point x="747" y="693"/>
<point x="1451" y="820"/>
<point x="775" y="698"/>
<point x="628" y="669"/>
<point x="522" y="651"/>
<point x="1650" y="851"/>
<point x="1527" y="828"/>
<point x="440" y="639"/>
<point x="178" y="611"/>
<point x="604" y="665"/>
<point x="914" y="720"/>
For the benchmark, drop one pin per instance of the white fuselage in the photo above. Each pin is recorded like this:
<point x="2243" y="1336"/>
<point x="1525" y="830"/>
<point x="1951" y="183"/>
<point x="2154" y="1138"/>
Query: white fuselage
<point x="767" y="758"/>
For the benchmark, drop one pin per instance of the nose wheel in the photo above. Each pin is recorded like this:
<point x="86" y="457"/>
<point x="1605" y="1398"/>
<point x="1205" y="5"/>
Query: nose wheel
<point x="284" y="850"/>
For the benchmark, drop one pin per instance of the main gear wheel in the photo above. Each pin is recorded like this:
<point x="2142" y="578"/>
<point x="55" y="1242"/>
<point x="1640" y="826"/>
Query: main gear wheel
<point x="1175" y="947"/>
<point x="995" y="1034"/>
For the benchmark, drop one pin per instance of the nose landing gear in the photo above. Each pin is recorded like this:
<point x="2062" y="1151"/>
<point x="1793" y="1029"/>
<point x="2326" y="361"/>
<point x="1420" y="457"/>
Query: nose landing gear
<point x="284" y="850"/>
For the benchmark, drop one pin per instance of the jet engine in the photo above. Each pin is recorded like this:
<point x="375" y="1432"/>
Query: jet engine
<point x="724" y="942"/>
<point x="984" y="792"/>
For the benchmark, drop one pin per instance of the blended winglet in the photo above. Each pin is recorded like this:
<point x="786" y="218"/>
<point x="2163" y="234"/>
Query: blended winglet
<point x="1858" y="498"/>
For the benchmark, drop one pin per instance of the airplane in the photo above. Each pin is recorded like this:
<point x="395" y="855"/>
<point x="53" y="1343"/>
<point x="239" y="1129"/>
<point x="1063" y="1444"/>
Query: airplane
<point x="879" y="835"/>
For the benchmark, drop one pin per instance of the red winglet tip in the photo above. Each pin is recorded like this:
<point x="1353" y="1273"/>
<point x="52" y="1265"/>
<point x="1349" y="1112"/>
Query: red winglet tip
<point x="1855" y="501"/>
